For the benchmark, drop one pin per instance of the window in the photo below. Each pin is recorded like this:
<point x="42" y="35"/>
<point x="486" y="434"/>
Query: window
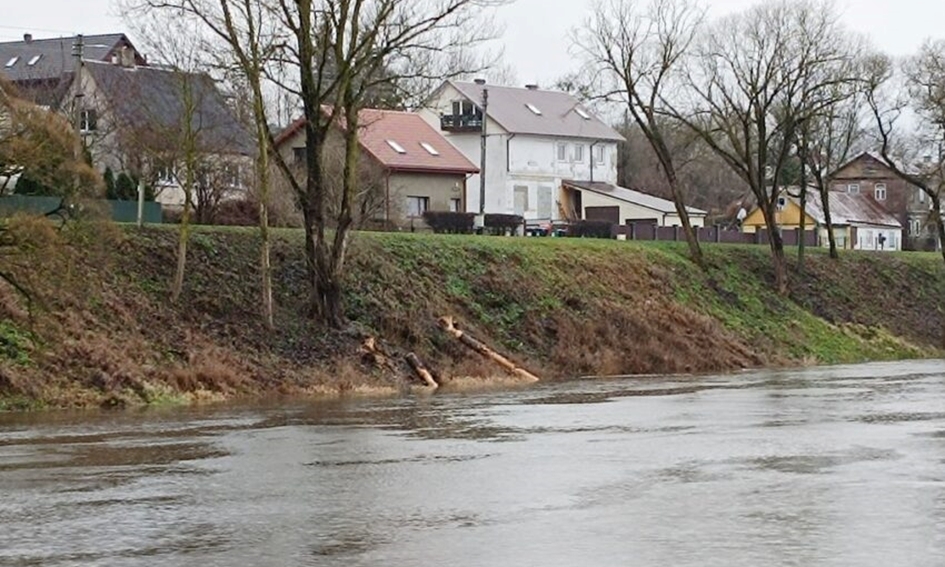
<point x="165" y="173"/>
<point x="580" y="112"/>
<point x="533" y="108"/>
<point x="562" y="152"/>
<point x="853" y="189"/>
<point x="879" y="192"/>
<point x="396" y="147"/>
<point x="231" y="175"/>
<point x="782" y="202"/>
<point x="88" y="121"/>
<point x="416" y="206"/>
<point x="463" y="108"/>
<point x="430" y="149"/>
<point x="599" y="154"/>
<point x="520" y="194"/>
<point x="921" y="195"/>
<point x="34" y="60"/>
<point x="298" y="154"/>
<point x="579" y="153"/>
<point x="12" y="61"/>
<point x="456" y="205"/>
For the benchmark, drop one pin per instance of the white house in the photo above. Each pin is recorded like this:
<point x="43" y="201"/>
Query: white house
<point x="535" y="139"/>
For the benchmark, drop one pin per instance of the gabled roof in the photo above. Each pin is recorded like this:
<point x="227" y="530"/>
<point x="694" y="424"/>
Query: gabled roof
<point x="383" y="132"/>
<point x="880" y="160"/>
<point x="560" y="113"/>
<point x="847" y="209"/>
<point x="638" y="198"/>
<point x="52" y="57"/>
<point x="151" y="102"/>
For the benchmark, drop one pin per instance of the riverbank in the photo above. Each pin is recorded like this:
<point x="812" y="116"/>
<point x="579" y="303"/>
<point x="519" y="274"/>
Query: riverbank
<point x="103" y="331"/>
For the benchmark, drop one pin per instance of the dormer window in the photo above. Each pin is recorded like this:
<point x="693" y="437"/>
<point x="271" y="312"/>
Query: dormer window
<point x="88" y="121"/>
<point x="580" y="112"/>
<point x="12" y="61"/>
<point x="429" y="148"/>
<point x="533" y="108"/>
<point x="35" y="59"/>
<point x="396" y="147"/>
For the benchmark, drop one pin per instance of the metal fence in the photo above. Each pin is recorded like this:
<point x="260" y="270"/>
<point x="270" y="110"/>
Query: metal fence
<point x="791" y="237"/>
<point x="120" y="211"/>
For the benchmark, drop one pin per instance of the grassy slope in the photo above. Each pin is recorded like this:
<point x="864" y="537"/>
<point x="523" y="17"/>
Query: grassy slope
<point x="105" y="332"/>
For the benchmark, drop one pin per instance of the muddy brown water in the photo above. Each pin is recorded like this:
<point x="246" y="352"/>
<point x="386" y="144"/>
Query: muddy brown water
<point x="832" y="466"/>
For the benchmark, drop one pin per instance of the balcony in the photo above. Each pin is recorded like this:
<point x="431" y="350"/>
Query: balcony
<point x="461" y="123"/>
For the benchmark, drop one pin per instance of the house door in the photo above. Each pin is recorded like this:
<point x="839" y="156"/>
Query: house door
<point x="521" y="199"/>
<point x="545" y="202"/>
<point x="609" y="214"/>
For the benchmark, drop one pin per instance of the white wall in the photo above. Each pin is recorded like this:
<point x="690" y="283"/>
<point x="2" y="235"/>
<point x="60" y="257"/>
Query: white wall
<point x="519" y="161"/>
<point x="867" y="238"/>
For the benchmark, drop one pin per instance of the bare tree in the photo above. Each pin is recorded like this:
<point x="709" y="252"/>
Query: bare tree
<point x="341" y="48"/>
<point x="921" y="90"/>
<point x="636" y="51"/>
<point x="828" y="140"/>
<point x="751" y="85"/>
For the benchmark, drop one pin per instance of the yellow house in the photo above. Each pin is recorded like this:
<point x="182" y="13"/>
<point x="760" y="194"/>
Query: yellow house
<point x="858" y="222"/>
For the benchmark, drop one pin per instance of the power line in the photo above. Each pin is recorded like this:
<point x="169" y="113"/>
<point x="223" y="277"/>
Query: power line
<point x="47" y="30"/>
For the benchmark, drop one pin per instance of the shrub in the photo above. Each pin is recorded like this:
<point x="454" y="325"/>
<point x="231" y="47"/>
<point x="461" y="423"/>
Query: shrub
<point x="591" y="229"/>
<point x="503" y="224"/>
<point x="237" y="212"/>
<point x="446" y="222"/>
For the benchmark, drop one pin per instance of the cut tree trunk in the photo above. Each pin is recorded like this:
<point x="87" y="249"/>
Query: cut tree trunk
<point x="421" y="370"/>
<point x="447" y="324"/>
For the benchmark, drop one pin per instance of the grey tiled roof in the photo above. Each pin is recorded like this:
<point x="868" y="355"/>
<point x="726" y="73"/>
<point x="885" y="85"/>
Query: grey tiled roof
<point x="560" y="112"/>
<point x="150" y="101"/>
<point x="53" y="57"/>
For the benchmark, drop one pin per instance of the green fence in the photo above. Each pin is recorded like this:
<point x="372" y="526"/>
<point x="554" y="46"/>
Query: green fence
<point x="121" y="211"/>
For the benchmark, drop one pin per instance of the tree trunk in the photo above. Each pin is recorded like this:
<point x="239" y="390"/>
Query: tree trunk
<point x="695" y="250"/>
<point x="940" y="229"/>
<point x="776" y="244"/>
<point x="828" y="219"/>
<point x="178" y="286"/>
<point x="265" y="263"/>
<point x="802" y="244"/>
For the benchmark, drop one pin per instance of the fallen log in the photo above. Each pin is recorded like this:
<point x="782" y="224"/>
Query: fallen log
<point x="421" y="370"/>
<point x="448" y="325"/>
<point x="381" y="357"/>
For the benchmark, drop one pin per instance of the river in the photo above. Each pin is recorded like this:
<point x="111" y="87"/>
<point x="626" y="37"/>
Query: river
<point x="829" y="466"/>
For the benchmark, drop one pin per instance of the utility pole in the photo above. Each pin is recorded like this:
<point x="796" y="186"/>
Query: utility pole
<point x="481" y="220"/>
<point x="77" y="48"/>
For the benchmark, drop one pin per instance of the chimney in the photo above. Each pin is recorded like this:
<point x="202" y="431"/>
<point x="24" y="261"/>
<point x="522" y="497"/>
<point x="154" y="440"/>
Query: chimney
<point x="532" y="87"/>
<point x="480" y="82"/>
<point x="126" y="57"/>
<point x="28" y="37"/>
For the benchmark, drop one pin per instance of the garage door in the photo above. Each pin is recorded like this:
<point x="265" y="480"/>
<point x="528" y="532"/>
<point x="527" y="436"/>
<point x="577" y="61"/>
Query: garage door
<point x="609" y="214"/>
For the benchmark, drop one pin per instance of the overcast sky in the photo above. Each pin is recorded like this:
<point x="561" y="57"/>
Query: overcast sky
<point x="536" y="31"/>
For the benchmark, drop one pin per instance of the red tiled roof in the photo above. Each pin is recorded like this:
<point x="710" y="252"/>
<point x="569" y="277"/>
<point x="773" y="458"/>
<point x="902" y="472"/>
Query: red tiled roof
<point x="406" y="131"/>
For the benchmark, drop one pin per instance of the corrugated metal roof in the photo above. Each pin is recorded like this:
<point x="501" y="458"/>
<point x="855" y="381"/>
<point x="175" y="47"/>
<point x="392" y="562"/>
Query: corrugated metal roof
<point x="53" y="57"/>
<point x="149" y="101"/>
<point x="407" y="131"/>
<point x="631" y="196"/>
<point x="848" y="209"/>
<point x="560" y="113"/>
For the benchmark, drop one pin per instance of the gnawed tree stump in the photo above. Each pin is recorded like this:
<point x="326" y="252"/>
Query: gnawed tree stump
<point x="421" y="370"/>
<point x="448" y="325"/>
<point x="376" y="353"/>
